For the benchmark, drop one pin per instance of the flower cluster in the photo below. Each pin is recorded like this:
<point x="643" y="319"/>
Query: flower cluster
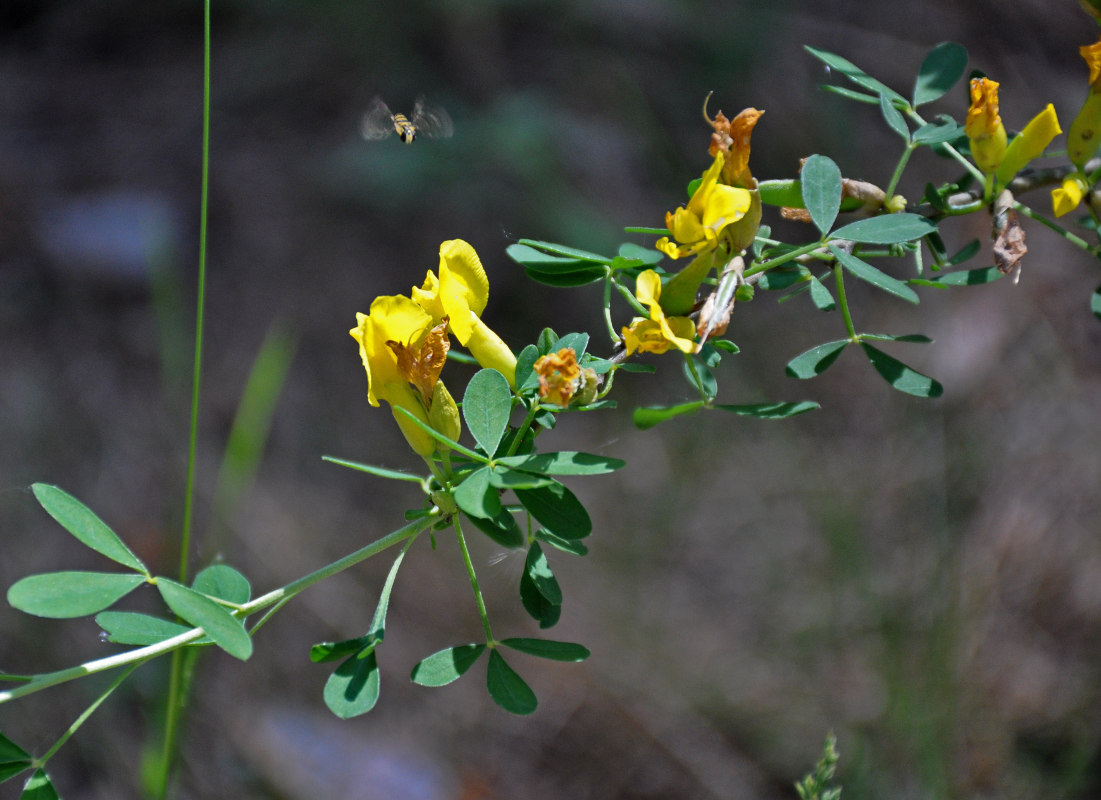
<point x="403" y="342"/>
<point x="997" y="157"/>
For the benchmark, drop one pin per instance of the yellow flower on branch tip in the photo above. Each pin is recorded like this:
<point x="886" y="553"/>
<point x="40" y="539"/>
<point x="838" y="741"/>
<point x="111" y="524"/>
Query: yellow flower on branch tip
<point x="460" y="294"/>
<point x="984" y="126"/>
<point x="697" y="226"/>
<point x="658" y="333"/>
<point x="394" y="319"/>
<point x="987" y="134"/>
<point x="1066" y="198"/>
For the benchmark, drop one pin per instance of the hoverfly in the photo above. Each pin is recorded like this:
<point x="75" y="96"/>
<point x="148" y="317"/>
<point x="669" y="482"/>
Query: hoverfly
<point x="379" y="122"/>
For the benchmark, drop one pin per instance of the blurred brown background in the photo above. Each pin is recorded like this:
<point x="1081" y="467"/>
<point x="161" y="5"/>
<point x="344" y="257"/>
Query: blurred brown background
<point x="922" y="577"/>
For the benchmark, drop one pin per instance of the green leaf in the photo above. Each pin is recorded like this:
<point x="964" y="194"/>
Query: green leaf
<point x="565" y="545"/>
<point x="702" y="378"/>
<point x="782" y="277"/>
<point x="81" y="522"/>
<point x="894" y="118"/>
<point x="916" y="338"/>
<point x="558" y="509"/>
<point x="577" y="341"/>
<point x="373" y="470"/>
<point x="965" y="252"/>
<point x="223" y="582"/>
<point x="539" y="590"/>
<point x="538" y="570"/>
<point x="771" y="410"/>
<point x="820" y="180"/>
<point x="647" y="255"/>
<point x="566" y="462"/>
<point x="131" y="628"/>
<point x="650" y="416"/>
<point x="855" y="74"/>
<point x="9" y="769"/>
<point x="900" y="376"/>
<point x="539" y="607"/>
<point x="816" y="360"/>
<point x="39" y="787"/>
<point x="332" y="651"/>
<point x="63" y="595"/>
<point x="886" y="229"/>
<point x="378" y="622"/>
<point x="507" y="688"/>
<point x="567" y="278"/>
<point x="440" y="669"/>
<point x="503" y="478"/>
<point x="851" y="94"/>
<point x="353" y="688"/>
<point x="1095" y="302"/>
<point x="501" y="528"/>
<point x="968" y="277"/>
<point x="866" y="272"/>
<point x="526" y="378"/>
<point x="476" y="496"/>
<point x="932" y="133"/>
<point x="942" y="67"/>
<point x="563" y="250"/>
<point x="226" y="630"/>
<point x="10" y="751"/>
<point x="547" y="648"/>
<point x="820" y="295"/>
<point x="487" y="405"/>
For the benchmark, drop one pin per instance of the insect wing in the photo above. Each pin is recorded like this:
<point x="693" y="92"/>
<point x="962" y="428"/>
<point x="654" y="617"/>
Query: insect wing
<point x="378" y="122"/>
<point x="431" y="121"/>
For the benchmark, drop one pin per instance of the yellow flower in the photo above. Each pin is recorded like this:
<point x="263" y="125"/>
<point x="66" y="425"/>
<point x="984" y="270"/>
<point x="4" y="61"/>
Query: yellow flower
<point x="1029" y="143"/>
<point x="1066" y="198"/>
<point x="712" y="207"/>
<point x="395" y="320"/>
<point x="1085" y="132"/>
<point x="984" y="126"/>
<point x="988" y="138"/>
<point x="658" y="333"/>
<point x="460" y="294"/>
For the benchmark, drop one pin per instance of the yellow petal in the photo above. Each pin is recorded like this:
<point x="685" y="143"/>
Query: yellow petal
<point x="462" y="277"/>
<point x="648" y="288"/>
<point x="392" y="318"/>
<point x="724" y="206"/>
<point x="1030" y="143"/>
<point x="1066" y="198"/>
<point x="491" y="351"/>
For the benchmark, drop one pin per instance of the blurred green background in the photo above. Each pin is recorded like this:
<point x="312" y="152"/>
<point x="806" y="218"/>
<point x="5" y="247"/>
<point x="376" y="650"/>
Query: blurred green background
<point x="922" y="577"/>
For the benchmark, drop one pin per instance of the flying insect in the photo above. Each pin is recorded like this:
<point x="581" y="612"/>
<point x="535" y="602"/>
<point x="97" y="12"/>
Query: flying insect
<point x="379" y="122"/>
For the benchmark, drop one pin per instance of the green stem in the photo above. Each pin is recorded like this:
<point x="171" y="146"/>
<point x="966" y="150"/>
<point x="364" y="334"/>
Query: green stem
<point x="764" y="266"/>
<point x="842" y="301"/>
<point x="175" y="698"/>
<point x="608" y="305"/>
<point x="41" y="761"/>
<point x="899" y="168"/>
<point x="1055" y="226"/>
<point x="474" y="582"/>
<point x="278" y="596"/>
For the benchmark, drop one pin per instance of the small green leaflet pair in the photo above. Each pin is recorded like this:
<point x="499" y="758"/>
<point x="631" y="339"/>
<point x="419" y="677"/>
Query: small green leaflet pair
<point x="207" y="605"/>
<point x="14" y="760"/>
